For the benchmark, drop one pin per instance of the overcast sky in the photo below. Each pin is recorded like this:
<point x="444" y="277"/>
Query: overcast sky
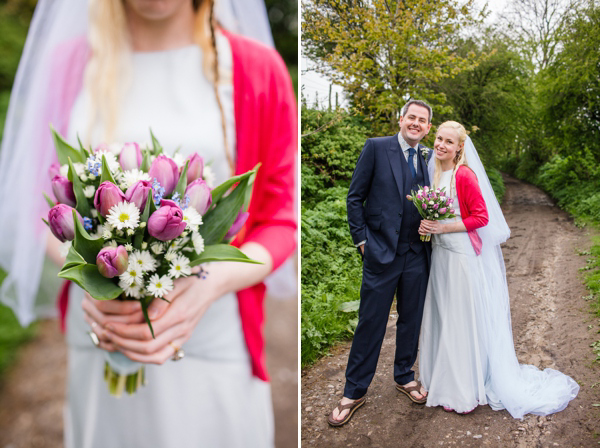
<point x="314" y="84"/>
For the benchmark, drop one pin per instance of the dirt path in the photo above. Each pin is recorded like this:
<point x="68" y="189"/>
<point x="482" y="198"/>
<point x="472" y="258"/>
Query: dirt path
<point x="552" y="327"/>
<point x="33" y="390"/>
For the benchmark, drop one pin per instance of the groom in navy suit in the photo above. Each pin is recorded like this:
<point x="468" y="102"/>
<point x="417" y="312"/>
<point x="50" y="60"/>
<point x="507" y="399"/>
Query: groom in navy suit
<point x="384" y="226"/>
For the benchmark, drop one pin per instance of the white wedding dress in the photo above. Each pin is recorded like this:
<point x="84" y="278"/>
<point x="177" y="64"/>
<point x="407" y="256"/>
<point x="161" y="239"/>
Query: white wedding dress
<point x="467" y="355"/>
<point x="210" y="398"/>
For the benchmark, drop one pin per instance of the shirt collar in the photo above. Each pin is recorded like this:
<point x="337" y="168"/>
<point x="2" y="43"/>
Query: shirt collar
<point x="403" y="143"/>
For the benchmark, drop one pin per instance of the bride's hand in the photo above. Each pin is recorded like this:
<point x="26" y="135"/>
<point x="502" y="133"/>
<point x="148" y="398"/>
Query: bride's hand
<point x="430" y="227"/>
<point x="173" y="322"/>
<point x="98" y="313"/>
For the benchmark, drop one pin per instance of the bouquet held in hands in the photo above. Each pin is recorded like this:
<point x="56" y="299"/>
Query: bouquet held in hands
<point x="134" y="220"/>
<point x="432" y="205"/>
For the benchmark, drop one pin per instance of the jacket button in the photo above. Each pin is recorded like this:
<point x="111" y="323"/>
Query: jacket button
<point x="397" y="232"/>
<point x="400" y="214"/>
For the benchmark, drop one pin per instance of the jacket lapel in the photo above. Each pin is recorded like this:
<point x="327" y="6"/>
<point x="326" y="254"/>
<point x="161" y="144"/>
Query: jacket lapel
<point x="396" y="160"/>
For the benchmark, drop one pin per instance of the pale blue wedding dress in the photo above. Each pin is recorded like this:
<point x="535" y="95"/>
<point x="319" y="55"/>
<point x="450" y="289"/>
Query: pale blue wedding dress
<point x="467" y="355"/>
<point x="210" y="398"/>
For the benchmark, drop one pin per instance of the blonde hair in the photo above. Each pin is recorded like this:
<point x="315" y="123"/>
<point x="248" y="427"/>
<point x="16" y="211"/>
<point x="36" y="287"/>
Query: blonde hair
<point x="459" y="159"/>
<point x="109" y="65"/>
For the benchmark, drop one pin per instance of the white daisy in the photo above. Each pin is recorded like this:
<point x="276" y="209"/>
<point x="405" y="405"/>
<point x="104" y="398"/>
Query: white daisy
<point x="171" y="254"/>
<point x="209" y="176"/>
<point x="143" y="260"/>
<point x="130" y="177"/>
<point x="111" y="243"/>
<point x="179" y="160"/>
<point x="89" y="191"/>
<point x="115" y="148"/>
<point x="157" y="248"/>
<point x="64" y="249"/>
<point x="160" y="286"/>
<point x="106" y="234"/>
<point x="124" y="215"/>
<point x="180" y="266"/>
<point x="193" y="218"/>
<point x="128" y="247"/>
<point x="198" y="242"/>
<point x="132" y="275"/>
<point x="64" y="170"/>
<point x="111" y="160"/>
<point x="134" y="290"/>
<point x="144" y="244"/>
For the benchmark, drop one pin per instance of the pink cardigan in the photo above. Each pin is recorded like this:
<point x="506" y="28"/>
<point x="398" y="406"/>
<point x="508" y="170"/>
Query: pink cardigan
<point x="266" y="132"/>
<point x="472" y="205"/>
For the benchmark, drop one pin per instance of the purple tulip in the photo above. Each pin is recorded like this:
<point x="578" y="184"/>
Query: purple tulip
<point x="138" y="193"/>
<point x="60" y="218"/>
<point x="107" y="196"/>
<point x="167" y="222"/>
<point x="165" y="171"/>
<point x="450" y="201"/>
<point x="424" y="206"/>
<point x="195" y="168"/>
<point x="112" y="261"/>
<point x="237" y="225"/>
<point x="54" y="170"/>
<point x="451" y="210"/>
<point x="130" y="157"/>
<point x="436" y="206"/>
<point x="63" y="191"/>
<point x="443" y="210"/>
<point x="200" y="196"/>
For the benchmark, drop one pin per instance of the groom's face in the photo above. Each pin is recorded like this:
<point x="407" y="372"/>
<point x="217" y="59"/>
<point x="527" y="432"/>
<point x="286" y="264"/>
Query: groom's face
<point x="414" y="125"/>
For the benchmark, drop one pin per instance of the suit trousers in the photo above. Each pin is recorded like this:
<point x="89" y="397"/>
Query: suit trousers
<point x="407" y="275"/>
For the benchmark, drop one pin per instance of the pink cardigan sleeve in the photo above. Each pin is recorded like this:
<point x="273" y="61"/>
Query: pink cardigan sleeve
<point x="472" y="204"/>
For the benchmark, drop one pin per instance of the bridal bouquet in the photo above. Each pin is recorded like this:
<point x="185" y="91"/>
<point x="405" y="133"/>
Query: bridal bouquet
<point x="432" y="205"/>
<point x="134" y="220"/>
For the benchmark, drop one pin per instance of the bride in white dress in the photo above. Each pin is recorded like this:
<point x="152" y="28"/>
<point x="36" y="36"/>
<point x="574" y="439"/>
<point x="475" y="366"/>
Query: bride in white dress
<point x="467" y="355"/>
<point x="156" y="76"/>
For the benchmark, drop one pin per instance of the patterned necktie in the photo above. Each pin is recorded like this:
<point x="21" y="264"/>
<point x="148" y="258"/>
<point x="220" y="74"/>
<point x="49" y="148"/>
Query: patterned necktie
<point x="411" y="162"/>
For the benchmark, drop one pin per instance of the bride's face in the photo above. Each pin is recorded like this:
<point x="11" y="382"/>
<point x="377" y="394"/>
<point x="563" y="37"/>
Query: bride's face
<point x="158" y="10"/>
<point x="446" y="144"/>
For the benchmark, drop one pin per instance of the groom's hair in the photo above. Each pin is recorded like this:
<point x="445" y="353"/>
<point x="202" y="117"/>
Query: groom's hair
<point x="418" y="103"/>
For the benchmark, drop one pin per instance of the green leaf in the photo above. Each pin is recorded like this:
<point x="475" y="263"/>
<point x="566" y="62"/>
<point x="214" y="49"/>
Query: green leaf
<point x="86" y="153"/>
<point x="64" y="151"/>
<point x="84" y="244"/>
<point x="222" y="252"/>
<point x="158" y="149"/>
<point x="106" y="174"/>
<point x="146" y="317"/>
<point x="83" y="207"/>
<point x="182" y="184"/>
<point x="46" y="222"/>
<point x="139" y="238"/>
<point x="218" y="220"/>
<point x="73" y="259"/>
<point x="220" y="190"/>
<point x="49" y="200"/>
<point x="145" y="166"/>
<point x="88" y="277"/>
<point x="349" y="307"/>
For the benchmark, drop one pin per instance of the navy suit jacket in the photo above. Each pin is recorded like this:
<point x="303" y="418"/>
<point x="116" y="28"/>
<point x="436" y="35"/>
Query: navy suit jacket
<point x="375" y="198"/>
